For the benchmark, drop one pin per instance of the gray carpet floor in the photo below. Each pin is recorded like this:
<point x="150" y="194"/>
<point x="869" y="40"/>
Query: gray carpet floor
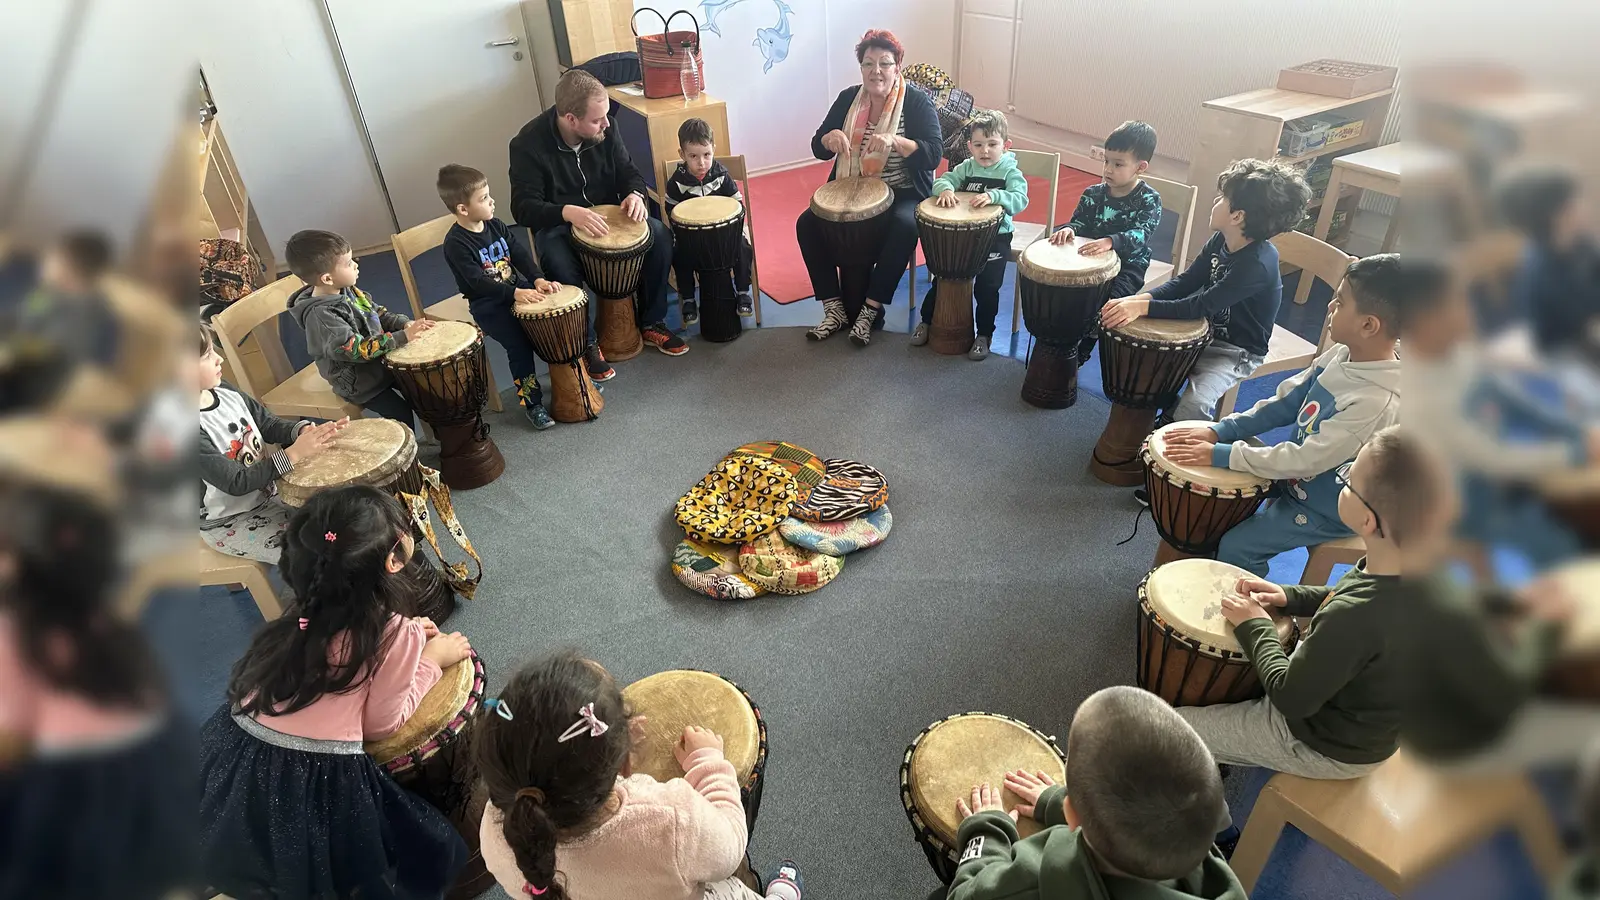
<point x="1000" y="587"/>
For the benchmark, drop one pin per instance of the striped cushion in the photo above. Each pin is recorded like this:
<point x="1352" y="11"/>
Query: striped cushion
<point x="806" y="467"/>
<point x="713" y="570"/>
<point x="783" y="568"/>
<point x="850" y="489"/>
<point x="743" y="497"/>
<point x="839" y="538"/>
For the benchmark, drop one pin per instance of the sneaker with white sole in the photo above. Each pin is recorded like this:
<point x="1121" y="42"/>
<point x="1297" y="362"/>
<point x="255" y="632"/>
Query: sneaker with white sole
<point x="595" y="362"/>
<point x="861" y="331"/>
<point x="1141" y="497"/>
<point x="691" y="312"/>
<point x="919" y="335"/>
<point x="538" y="416"/>
<point x="834" y="320"/>
<point x="745" y="305"/>
<point x="980" y="348"/>
<point x="664" y="340"/>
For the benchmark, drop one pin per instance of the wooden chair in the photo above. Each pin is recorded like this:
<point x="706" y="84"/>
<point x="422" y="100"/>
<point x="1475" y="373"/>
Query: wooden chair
<point x="178" y="568"/>
<point x="1321" y="559"/>
<point x="412" y="243"/>
<point x="1032" y="164"/>
<point x="302" y="394"/>
<point x="738" y="169"/>
<point x="1399" y="823"/>
<point x="1180" y="199"/>
<point x="1287" y="351"/>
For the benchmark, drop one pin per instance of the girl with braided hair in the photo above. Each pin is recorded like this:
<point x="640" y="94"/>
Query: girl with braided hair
<point x="292" y="806"/>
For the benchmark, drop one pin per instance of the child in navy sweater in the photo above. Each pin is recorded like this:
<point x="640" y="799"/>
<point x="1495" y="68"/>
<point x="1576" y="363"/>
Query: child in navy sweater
<point x="700" y="175"/>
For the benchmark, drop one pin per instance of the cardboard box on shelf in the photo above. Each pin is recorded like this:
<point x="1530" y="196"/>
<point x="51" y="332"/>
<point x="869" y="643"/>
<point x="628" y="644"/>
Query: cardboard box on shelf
<point x="1337" y="78"/>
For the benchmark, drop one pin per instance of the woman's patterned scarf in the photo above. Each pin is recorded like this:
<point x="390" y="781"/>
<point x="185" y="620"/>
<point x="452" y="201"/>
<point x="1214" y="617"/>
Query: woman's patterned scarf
<point x="860" y="162"/>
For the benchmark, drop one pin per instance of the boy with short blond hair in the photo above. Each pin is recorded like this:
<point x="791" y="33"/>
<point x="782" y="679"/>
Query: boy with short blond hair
<point x="991" y="173"/>
<point x="1138" y="823"/>
<point x="700" y="175"/>
<point x="347" y="334"/>
<point x="494" y="271"/>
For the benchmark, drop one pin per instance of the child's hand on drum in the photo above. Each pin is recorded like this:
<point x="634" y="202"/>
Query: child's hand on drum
<point x="946" y="200"/>
<point x="980" y="200"/>
<point x="546" y="286"/>
<point x="636" y="729"/>
<point x="429" y="629"/>
<point x="311" y="441"/>
<point x="1189" y="435"/>
<point x="1062" y="237"/>
<point x="984" y="799"/>
<point x="1193" y="453"/>
<point x="416" y="327"/>
<point x="1028" y="786"/>
<point x="1263" y="592"/>
<point x="446" y="649"/>
<point x="1095" y="248"/>
<point x="1239" y="610"/>
<point x="1118" y="313"/>
<point x="695" y="738"/>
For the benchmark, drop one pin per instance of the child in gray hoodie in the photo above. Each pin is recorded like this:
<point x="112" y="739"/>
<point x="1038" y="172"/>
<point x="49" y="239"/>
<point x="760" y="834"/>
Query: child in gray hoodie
<point x="346" y="333"/>
<point x="1350" y="392"/>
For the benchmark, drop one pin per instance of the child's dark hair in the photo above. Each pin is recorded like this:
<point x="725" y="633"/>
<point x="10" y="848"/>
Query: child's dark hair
<point x="457" y="184"/>
<point x="1144" y="786"/>
<point x="312" y="254"/>
<point x="334" y="555"/>
<point x="63" y="550"/>
<point x="991" y="122"/>
<point x="1133" y="137"/>
<point x="695" y="131"/>
<point x="545" y="787"/>
<point x="1531" y="199"/>
<point x="1272" y="195"/>
<point x="87" y="252"/>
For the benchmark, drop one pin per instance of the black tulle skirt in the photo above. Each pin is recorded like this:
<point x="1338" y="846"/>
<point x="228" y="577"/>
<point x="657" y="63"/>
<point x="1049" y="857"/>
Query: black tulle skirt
<point x="287" y="818"/>
<point x="114" y="821"/>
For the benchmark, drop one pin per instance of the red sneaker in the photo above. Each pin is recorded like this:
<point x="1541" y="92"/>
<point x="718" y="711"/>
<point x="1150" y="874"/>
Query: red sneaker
<point x="664" y="339"/>
<point x="595" y="362"/>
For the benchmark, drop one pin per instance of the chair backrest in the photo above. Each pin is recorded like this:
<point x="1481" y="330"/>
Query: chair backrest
<point x="1040" y="164"/>
<point x="247" y="316"/>
<point x="1181" y="199"/>
<point x="735" y="166"/>
<point x="412" y="243"/>
<point x="1316" y="259"/>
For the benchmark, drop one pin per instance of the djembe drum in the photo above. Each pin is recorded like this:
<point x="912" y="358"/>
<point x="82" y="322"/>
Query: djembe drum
<point x="557" y="325"/>
<point x="672" y="700"/>
<point x="853" y="225"/>
<point x="381" y="453"/>
<point x="613" y="265"/>
<point x="709" y="232"/>
<point x="956" y="242"/>
<point x="1575" y="674"/>
<point x="1061" y="292"/>
<point x="442" y="373"/>
<point x="1194" y="506"/>
<point x="431" y="756"/>
<point x="955" y="753"/>
<point x="1143" y="366"/>
<point x="1187" y="654"/>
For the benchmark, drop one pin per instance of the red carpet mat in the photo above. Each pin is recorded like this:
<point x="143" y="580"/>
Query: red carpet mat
<point x="776" y="200"/>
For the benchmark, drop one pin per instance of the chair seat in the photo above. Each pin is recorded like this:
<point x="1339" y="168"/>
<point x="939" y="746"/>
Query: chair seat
<point x="306" y="393"/>
<point x="1286" y="351"/>
<point x="1158" y="273"/>
<point x="450" y="309"/>
<point x="1023" y="234"/>
<point x="1352" y="544"/>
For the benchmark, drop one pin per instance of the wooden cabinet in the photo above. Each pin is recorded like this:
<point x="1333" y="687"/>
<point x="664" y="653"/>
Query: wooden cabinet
<point x="649" y="128"/>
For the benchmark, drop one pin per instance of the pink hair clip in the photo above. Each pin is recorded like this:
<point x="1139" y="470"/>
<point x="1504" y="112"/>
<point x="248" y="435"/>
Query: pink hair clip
<point x="588" y="723"/>
<point x="532" y="891"/>
<point x="304" y="622"/>
<point x="330" y="537"/>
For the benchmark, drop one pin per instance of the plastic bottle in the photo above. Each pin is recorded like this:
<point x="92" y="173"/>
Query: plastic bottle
<point x="689" y="73"/>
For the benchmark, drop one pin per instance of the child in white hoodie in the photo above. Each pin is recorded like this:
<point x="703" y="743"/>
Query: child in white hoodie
<point x="1350" y="392"/>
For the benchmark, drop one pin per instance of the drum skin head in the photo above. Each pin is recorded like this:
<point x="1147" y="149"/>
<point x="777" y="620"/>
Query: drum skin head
<point x="851" y="199"/>
<point x="972" y="749"/>
<point x="444" y="340"/>
<point x="1203" y="478"/>
<point x="1188" y="594"/>
<point x="1044" y="263"/>
<point x="625" y="233"/>
<point x="673" y="700"/>
<point x="707" y="210"/>
<point x="1172" y="331"/>
<point x="960" y="214"/>
<point x="1583" y="631"/>
<point x="437" y="709"/>
<point x="565" y="298"/>
<point x="362" y="449"/>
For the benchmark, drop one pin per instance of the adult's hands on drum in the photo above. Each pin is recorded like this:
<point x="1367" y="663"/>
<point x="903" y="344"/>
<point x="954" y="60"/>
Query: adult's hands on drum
<point x="585" y="219"/>
<point x="314" y="439"/>
<point x="633" y="207"/>
<point x="984" y="799"/>
<point x="1028" y="786"/>
<point x="1117" y="313"/>
<point x="836" y="141"/>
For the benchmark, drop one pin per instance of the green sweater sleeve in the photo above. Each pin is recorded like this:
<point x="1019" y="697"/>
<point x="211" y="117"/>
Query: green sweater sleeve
<point x="1304" y="599"/>
<point x="1013" y="198"/>
<point x="995" y="864"/>
<point x="949" y="180"/>
<point x="1324" y="662"/>
<point x="1051" y="808"/>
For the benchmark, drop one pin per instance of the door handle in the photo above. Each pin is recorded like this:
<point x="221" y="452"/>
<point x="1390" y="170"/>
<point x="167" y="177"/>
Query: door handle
<point x="508" y="42"/>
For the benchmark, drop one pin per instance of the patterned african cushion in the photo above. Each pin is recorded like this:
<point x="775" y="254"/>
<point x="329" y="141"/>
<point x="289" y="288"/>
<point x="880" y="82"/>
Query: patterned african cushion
<point x="806" y="467"/>
<point x="850" y="489"/>
<point x="713" y="570"/>
<point x="743" y="497"/>
<point x="839" y="538"/>
<point x="783" y="568"/>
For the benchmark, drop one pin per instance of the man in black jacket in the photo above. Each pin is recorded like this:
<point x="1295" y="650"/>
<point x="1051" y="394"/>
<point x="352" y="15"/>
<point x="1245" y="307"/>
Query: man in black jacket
<point x="563" y="163"/>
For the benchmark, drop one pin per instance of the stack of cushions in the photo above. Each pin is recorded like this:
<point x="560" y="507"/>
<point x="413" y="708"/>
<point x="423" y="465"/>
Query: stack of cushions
<point x="774" y="517"/>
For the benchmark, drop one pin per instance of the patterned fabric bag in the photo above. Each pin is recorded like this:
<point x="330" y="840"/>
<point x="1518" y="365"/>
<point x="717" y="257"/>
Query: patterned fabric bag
<point x="228" y="272"/>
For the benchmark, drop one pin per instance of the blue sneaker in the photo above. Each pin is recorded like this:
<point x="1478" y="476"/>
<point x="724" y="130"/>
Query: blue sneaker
<point x="786" y="883"/>
<point x="539" y="416"/>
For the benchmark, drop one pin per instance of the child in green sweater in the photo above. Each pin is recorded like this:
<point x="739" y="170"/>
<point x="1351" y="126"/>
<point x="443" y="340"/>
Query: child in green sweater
<point x="1332" y="707"/>
<point x="1146" y="799"/>
<point x="993" y="175"/>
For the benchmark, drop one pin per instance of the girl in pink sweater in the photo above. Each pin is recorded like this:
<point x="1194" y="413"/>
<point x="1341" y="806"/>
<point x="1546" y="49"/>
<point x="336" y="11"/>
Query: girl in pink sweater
<point x="568" y="819"/>
<point x="292" y="806"/>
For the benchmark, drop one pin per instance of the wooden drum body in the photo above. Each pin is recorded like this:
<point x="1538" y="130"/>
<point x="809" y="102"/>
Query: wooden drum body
<point x="431" y="756"/>
<point x="956" y="243"/>
<point x="381" y="453"/>
<point x="613" y="265"/>
<point x="1143" y="366"/>
<point x="1187" y="654"/>
<point x="557" y="325"/>
<point x="709" y="231"/>
<point x="1575" y="675"/>
<point x="852" y="213"/>
<point x="442" y="373"/>
<point x="955" y="753"/>
<point x="1061" y="292"/>
<point x="1194" y="506"/>
<point x="675" y="699"/>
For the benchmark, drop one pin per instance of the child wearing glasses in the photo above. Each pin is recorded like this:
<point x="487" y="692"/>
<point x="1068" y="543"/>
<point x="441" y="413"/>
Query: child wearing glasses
<point x="1332" y="708"/>
<point x="1349" y="392"/>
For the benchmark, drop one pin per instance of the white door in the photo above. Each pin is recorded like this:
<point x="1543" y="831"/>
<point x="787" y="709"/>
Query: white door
<point x="439" y="81"/>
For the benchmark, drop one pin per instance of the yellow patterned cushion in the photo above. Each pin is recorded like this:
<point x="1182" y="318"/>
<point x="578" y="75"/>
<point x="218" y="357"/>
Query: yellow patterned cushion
<point x="742" y="498"/>
<point x="783" y="568"/>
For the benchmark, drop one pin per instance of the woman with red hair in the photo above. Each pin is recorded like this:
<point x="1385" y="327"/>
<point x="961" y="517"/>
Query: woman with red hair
<point x="884" y="128"/>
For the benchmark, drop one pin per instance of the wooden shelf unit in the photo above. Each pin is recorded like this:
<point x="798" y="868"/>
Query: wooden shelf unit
<point x="1250" y="125"/>
<point x="224" y="205"/>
